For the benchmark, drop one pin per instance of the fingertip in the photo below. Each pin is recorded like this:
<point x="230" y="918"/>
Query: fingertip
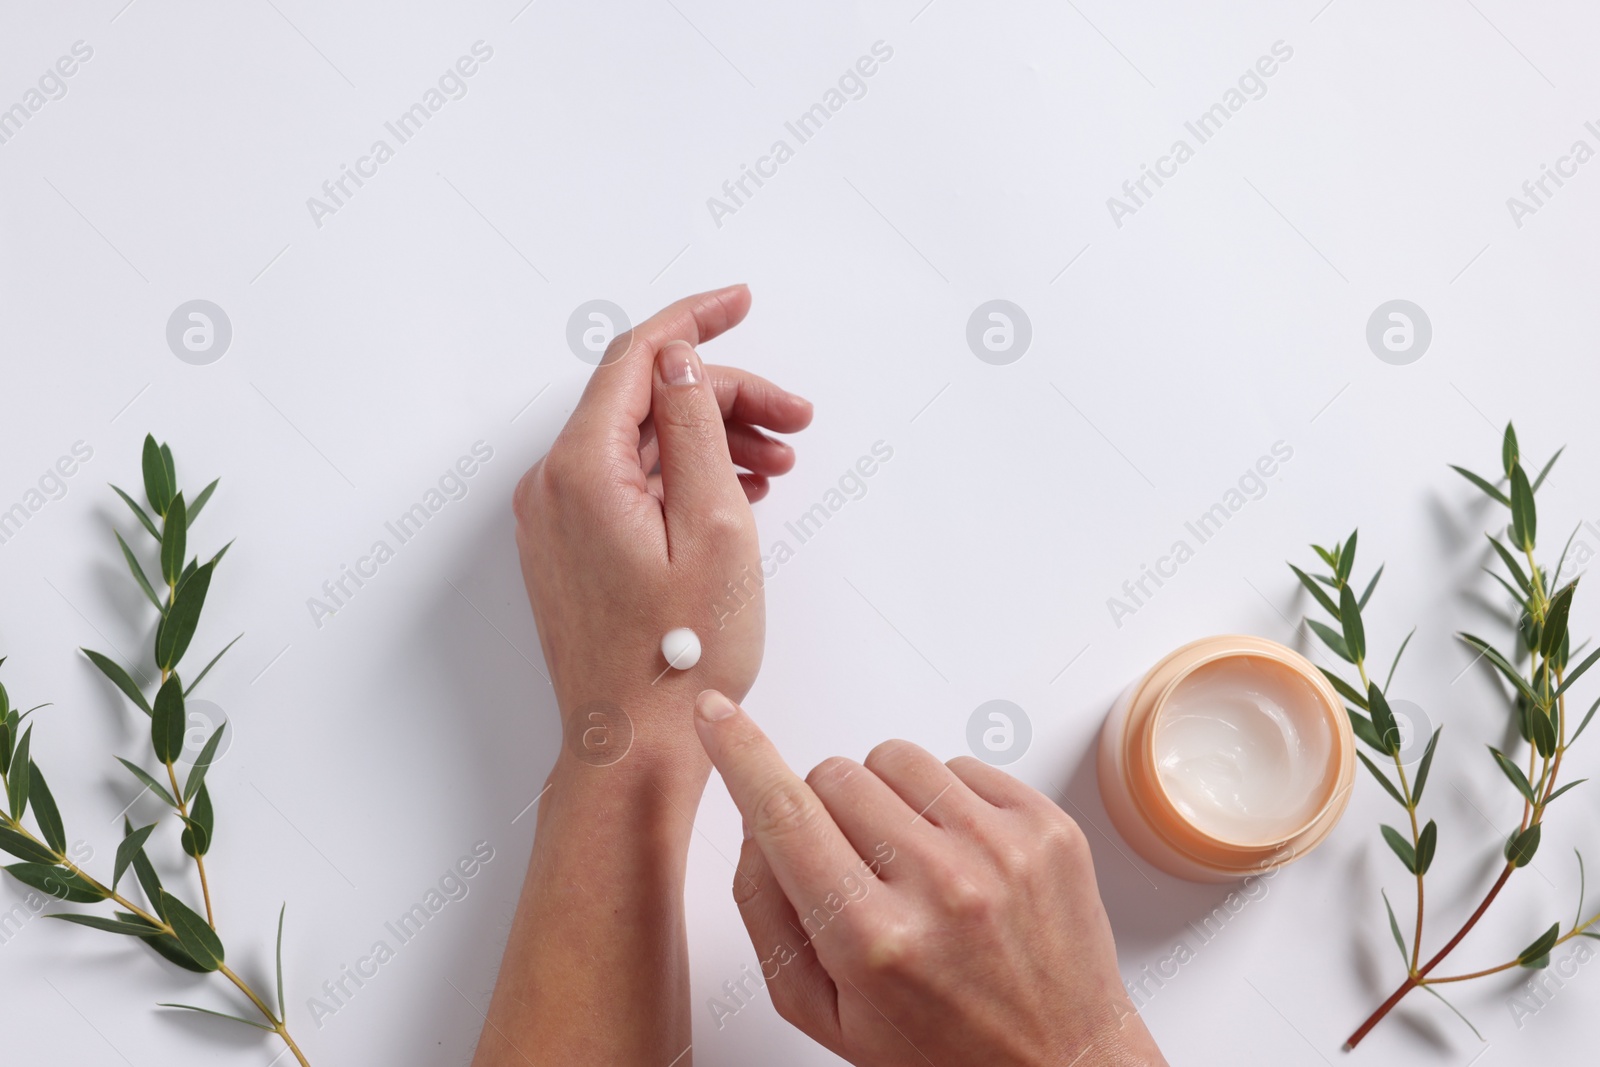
<point x="804" y="410"/>
<point x="712" y="707"/>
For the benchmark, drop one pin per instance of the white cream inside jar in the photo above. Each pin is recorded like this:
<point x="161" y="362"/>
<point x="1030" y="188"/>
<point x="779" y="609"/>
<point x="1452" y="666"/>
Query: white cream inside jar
<point x="1242" y="749"/>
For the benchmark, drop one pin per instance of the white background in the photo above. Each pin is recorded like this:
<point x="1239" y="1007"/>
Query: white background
<point x="1228" y="313"/>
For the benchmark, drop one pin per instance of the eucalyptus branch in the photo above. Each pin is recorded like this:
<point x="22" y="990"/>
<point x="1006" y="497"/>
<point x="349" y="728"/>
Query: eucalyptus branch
<point x="169" y="926"/>
<point x="1537" y="702"/>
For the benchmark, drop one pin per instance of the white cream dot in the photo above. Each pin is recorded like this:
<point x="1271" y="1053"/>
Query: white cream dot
<point x="681" y="648"/>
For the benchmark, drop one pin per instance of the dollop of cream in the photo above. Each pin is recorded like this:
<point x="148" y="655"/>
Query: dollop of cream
<point x="1243" y="748"/>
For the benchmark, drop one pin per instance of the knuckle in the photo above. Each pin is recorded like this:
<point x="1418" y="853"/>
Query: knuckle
<point x="783" y="809"/>
<point x="830" y="772"/>
<point x="895" y="752"/>
<point x="524" y="499"/>
<point x="556" y="472"/>
<point x="1062" y="838"/>
<point x="965" y="901"/>
<point x="1014" y="861"/>
<point x="890" y="949"/>
<point x="724" y="523"/>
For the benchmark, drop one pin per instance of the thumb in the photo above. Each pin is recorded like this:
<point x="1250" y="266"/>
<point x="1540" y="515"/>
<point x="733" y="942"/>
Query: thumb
<point x="697" y="476"/>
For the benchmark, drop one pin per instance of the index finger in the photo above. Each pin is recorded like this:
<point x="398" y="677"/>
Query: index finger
<point x="617" y="398"/>
<point x="806" y="850"/>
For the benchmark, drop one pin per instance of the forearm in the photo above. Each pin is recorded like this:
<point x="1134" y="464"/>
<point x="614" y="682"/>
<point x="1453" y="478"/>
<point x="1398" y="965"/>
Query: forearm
<point x="596" y="969"/>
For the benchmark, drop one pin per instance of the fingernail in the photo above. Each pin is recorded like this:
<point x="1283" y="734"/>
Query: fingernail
<point x="679" y="363"/>
<point x="712" y="706"/>
<point x="745" y="823"/>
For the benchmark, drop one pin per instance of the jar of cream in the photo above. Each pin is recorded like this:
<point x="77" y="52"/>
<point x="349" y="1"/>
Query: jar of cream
<point x="1232" y="756"/>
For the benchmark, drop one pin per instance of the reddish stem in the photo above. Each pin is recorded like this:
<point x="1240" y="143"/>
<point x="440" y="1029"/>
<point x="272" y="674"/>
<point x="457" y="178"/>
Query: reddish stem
<point x="1411" y="981"/>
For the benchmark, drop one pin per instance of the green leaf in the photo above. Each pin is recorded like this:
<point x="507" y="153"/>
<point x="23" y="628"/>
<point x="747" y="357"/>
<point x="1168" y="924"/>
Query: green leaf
<point x="1517" y="573"/>
<point x="110" y="926"/>
<point x="158" y="489"/>
<point x="57" y="882"/>
<point x="1562" y="562"/>
<point x="1489" y="490"/>
<point x="149" y="881"/>
<point x="1555" y="623"/>
<point x="1327" y="557"/>
<point x="199" y="825"/>
<point x="200" y="501"/>
<point x="128" y="850"/>
<point x="1577" y="672"/>
<point x="1545" y="470"/>
<point x="1373" y="584"/>
<point x="169" y="722"/>
<point x="45" y="812"/>
<point x="177" y="629"/>
<point x="194" y="933"/>
<point x="138" y="572"/>
<point x="1347" y="558"/>
<point x="1456" y="1011"/>
<point x="1516" y="597"/>
<point x="1537" y="954"/>
<point x="24" y="847"/>
<point x="1521" y="847"/>
<point x="197" y="773"/>
<point x="1427" y="841"/>
<point x="1346" y="690"/>
<point x="284" y="1011"/>
<point x="223" y="551"/>
<point x="1424" y="766"/>
<point x="1332" y="639"/>
<point x="1542" y="731"/>
<point x="1401" y="847"/>
<point x="1394" y="928"/>
<point x="1355" y="635"/>
<point x="1382" y="778"/>
<point x="1362" y="727"/>
<point x="1383" y="719"/>
<point x="1582" y="890"/>
<point x="1524" y="515"/>
<point x="174" y="540"/>
<point x="1509" y="454"/>
<point x="9" y="724"/>
<point x="1501" y="664"/>
<point x="219" y="1015"/>
<point x="172" y="469"/>
<point x="1387" y="682"/>
<point x="208" y="667"/>
<point x="144" y="520"/>
<point x="169" y="949"/>
<point x="1316" y="591"/>
<point x="1563" y="789"/>
<point x="17" y="782"/>
<point x="149" y="782"/>
<point x="1585" y="722"/>
<point x="119" y="678"/>
<point x="188" y="572"/>
<point x="1514" y="773"/>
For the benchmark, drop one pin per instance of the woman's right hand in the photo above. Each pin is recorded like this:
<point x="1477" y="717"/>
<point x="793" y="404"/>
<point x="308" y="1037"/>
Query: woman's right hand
<point x="907" y="911"/>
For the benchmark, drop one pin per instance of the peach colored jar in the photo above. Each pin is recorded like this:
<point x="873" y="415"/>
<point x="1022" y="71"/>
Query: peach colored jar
<point x="1143" y="808"/>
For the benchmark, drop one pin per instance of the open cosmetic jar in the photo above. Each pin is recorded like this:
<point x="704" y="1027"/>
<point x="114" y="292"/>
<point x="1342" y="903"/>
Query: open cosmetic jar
<point x="1231" y="756"/>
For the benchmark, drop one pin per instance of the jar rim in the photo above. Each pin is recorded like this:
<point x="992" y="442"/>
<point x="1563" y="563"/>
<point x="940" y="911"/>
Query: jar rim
<point x="1149" y="791"/>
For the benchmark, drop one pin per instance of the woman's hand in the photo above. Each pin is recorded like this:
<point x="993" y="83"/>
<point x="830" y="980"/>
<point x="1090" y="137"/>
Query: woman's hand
<point x="908" y="911"/>
<point x="634" y="524"/>
<point x="638" y="520"/>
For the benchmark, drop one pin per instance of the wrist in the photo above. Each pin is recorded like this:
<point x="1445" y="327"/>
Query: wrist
<point x="638" y="806"/>
<point x="637" y="738"/>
